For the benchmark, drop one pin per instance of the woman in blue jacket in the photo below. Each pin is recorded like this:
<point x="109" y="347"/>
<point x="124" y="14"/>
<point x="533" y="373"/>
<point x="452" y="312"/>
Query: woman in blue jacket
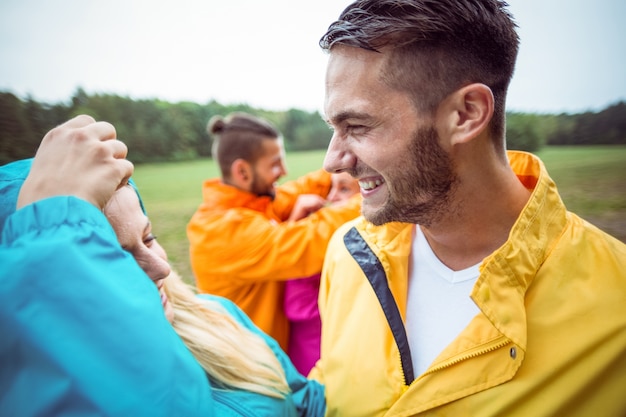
<point x="254" y="374"/>
<point x="79" y="337"/>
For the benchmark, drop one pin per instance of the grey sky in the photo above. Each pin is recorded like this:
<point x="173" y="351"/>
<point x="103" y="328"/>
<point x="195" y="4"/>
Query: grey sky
<point x="265" y="53"/>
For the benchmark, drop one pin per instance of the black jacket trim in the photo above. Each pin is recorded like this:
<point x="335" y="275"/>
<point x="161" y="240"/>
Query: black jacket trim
<point x="375" y="273"/>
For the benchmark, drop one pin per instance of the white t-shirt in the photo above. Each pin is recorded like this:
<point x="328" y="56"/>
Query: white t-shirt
<point x="439" y="306"/>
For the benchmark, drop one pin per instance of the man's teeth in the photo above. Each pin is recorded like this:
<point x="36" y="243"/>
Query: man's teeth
<point x="370" y="185"/>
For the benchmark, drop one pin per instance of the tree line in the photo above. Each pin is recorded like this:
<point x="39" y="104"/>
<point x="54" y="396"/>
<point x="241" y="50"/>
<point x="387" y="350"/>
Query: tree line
<point x="156" y="130"/>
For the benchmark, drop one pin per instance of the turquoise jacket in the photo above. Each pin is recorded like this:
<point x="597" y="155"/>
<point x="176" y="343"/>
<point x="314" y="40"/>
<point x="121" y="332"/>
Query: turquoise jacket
<point x="306" y="398"/>
<point x="83" y="330"/>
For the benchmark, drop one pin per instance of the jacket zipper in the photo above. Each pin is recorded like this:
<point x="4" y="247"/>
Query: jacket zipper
<point x="446" y="364"/>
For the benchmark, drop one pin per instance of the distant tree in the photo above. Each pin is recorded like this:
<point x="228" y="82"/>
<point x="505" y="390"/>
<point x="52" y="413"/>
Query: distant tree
<point x="607" y="127"/>
<point x="523" y="132"/>
<point x="17" y="139"/>
<point x="613" y="122"/>
<point x="314" y="133"/>
<point x="183" y="126"/>
<point x="79" y="98"/>
<point x="292" y="129"/>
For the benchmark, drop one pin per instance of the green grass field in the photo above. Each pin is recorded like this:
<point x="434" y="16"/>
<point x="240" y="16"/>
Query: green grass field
<point x="591" y="180"/>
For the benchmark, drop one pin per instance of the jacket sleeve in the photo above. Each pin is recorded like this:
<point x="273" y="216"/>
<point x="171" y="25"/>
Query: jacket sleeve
<point x="307" y="395"/>
<point x="316" y="182"/>
<point x="245" y="245"/>
<point x="83" y="329"/>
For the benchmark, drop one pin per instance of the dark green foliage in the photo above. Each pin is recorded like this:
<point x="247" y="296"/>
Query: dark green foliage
<point x="523" y="132"/>
<point x="155" y="130"/>
<point x="305" y="131"/>
<point x="532" y="131"/>
<point x="23" y="124"/>
<point x="607" y="127"/>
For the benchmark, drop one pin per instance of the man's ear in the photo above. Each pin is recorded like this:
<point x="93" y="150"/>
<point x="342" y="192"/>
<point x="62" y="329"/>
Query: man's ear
<point x="241" y="173"/>
<point x="466" y="113"/>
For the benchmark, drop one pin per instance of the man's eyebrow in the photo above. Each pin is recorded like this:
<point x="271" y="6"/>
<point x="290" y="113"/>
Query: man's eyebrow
<point x="345" y="115"/>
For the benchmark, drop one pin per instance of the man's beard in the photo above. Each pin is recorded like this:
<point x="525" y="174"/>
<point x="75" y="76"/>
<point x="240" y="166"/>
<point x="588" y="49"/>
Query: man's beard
<point x="261" y="188"/>
<point x="420" y="189"/>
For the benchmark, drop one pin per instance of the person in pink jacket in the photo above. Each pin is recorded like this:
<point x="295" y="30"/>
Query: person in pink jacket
<point x="301" y="295"/>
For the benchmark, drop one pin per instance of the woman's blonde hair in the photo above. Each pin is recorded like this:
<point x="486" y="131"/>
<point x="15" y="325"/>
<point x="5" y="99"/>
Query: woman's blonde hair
<point x="232" y="356"/>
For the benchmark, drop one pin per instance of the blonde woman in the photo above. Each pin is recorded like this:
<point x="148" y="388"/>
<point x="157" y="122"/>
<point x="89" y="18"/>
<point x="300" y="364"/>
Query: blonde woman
<point x="253" y="376"/>
<point x="82" y="332"/>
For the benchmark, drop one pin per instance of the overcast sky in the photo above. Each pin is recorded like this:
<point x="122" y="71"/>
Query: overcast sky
<point x="265" y="53"/>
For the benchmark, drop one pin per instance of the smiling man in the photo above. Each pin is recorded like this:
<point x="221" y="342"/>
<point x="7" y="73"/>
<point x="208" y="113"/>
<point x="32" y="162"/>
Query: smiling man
<point x="467" y="288"/>
<point x="243" y="243"/>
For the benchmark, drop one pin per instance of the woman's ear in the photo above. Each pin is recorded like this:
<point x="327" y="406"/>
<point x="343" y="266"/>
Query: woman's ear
<point x="466" y="113"/>
<point x="241" y="174"/>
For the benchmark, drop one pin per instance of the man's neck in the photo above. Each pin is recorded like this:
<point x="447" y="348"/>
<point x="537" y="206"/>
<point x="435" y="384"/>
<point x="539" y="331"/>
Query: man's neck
<point x="479" y="226"/>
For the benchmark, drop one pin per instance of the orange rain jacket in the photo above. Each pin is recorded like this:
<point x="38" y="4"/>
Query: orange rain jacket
<point x="550" y="338"/>
<point x="242" y="247"/>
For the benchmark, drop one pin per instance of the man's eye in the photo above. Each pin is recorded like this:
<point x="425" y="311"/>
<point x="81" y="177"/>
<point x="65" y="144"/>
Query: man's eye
<point x="356" y="129"/>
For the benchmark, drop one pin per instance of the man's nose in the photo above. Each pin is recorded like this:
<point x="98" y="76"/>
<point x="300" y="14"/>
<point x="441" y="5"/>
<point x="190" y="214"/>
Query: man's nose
<point x="338" y="156"/>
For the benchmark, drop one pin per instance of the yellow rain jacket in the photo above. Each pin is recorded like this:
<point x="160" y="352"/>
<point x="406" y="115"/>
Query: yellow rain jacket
<point x="242" y="248"/>
<point x="550" y="339"/>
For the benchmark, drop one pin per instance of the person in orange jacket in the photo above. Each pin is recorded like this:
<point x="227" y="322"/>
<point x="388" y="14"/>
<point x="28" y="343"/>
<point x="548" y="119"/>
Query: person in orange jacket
<point x="244" y="243"/>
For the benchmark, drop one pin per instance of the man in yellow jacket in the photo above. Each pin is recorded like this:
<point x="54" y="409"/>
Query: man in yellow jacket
<point x="243" y="241"/>
<point x="467" y="288"/>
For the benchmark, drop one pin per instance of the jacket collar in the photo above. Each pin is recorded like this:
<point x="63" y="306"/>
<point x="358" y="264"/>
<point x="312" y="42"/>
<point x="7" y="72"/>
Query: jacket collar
<point x="223" y="196"/>
<point x="509" y="271"/>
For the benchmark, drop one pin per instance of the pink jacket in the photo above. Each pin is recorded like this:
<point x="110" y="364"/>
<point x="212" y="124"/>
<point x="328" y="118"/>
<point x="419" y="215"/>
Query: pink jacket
<point x="304" y="318"/>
